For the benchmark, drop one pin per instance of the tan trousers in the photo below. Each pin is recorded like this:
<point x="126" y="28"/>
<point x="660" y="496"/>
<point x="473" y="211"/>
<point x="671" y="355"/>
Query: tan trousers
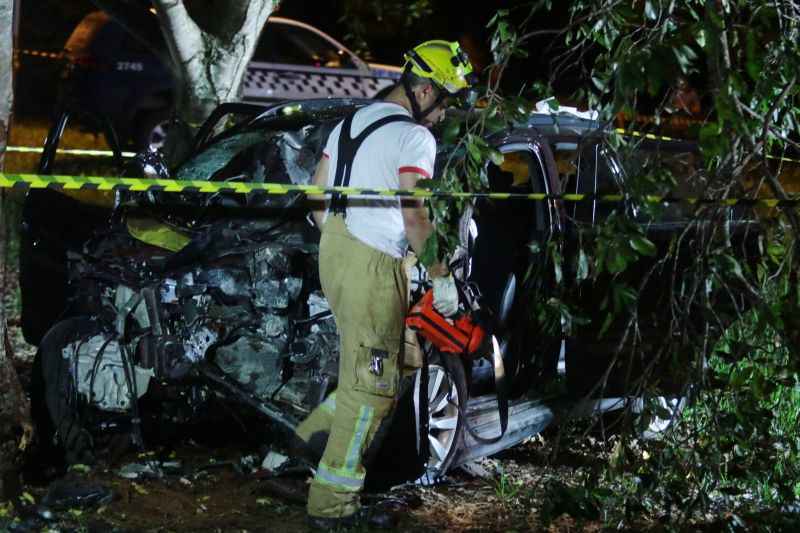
<point x="366" y="290"/>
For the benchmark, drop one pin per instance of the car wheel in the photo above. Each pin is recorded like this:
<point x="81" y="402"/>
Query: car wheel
<point x="64" y="408"/>
<point x="152" y="128"/>
<point x="447" y="395"/>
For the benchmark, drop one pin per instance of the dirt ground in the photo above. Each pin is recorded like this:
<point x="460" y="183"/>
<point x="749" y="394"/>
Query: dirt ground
<point x="208" y="489"/>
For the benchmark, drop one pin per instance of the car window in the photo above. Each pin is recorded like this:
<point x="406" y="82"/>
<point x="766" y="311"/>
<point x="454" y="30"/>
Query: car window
<point x="606" y="174"/>
<point x="588" y="168"/>
<point x="205" y="164"/>
<point x="283" y="43"/>
<point x="284" y="150"/>
<point x="504" y="228"/>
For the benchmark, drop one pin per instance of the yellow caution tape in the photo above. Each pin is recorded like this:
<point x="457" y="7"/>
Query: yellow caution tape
<point x="109" y="153"/>
<point x="104" y="183"/>
<point x="67" y="151"/>
<point x="653" y="137"/>
<point x="41" y="53"/>
<point x="623" y="131"/>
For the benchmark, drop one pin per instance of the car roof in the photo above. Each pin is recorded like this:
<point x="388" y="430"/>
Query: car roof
<point x="296" y="23"/>
<point x="550" y="124"/>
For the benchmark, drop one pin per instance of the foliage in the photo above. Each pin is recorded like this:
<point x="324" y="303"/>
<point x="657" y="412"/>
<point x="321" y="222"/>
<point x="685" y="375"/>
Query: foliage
<point x="737" y="446"/>
<point x="505" y="488"/>
<point x="727" y="307"/>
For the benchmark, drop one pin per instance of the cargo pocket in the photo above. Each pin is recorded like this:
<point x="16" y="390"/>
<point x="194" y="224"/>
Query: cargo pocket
<point x="377" y="368"/>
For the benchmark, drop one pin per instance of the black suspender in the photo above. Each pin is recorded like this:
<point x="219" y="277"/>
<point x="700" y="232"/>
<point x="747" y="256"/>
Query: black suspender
<point x="348" y="146"/>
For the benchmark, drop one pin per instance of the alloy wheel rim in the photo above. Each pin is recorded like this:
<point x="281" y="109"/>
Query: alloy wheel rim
<point x="443" y="402"/>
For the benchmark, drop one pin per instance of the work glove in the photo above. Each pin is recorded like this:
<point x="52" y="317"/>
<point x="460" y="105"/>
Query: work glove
<point x="445" y="295"/>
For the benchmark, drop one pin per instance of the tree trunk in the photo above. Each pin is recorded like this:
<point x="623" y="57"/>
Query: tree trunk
<point x="209" y="43"/>
<point x="209" y="63"/>
<point x="15" y="424"/>
<point x="6" y="69"/>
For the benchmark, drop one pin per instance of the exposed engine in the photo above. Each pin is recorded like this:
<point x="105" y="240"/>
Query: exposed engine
<point x="249" y="316"/>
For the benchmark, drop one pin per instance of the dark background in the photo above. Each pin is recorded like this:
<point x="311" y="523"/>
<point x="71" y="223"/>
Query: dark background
<point x="46" y="25"/>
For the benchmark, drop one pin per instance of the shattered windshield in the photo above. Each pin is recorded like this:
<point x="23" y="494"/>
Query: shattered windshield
<point x="283" y="147"/>
<point x="208" y="162"/>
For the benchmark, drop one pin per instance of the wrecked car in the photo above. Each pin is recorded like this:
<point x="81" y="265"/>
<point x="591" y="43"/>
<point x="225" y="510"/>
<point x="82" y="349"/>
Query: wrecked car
<point x="222" y="300"/>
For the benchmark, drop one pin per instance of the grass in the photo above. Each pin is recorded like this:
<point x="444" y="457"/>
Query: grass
<point x="505" y="488"/>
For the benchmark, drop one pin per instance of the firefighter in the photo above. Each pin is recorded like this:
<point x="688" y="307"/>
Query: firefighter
<point x="384" y="145"/>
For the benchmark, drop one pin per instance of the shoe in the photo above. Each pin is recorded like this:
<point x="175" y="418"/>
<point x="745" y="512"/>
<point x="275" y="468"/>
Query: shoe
<point x="374" y="517"/>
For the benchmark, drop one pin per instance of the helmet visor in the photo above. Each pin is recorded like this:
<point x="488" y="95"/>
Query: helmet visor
<point x="465" y="98"/>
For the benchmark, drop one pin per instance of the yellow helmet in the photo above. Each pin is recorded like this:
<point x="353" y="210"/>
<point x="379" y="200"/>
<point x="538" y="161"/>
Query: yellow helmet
<point x="442" y="62"/>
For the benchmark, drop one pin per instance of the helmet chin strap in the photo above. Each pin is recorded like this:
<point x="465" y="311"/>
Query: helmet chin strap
<point x="420" y="114"/>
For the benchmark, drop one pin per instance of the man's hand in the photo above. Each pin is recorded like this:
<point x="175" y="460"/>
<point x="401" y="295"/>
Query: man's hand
<point x="445" y="295"/>
<point x="418" y="228"/>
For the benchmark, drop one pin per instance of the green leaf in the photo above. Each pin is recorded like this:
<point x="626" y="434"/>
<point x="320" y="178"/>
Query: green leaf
<point x="733" y="266"/>
<point x="616" y="261"/>
<point x="559" y="273"/>
<point x="82" y="468"/>
<point x="496" y="157"/>
<point x="583" y="266"/>
<point x="643" y="245"/>
<point x="429" y="184"/>
<point x="624" y="296"/>
<point x="776" y="252"/>
<point x="753" y="65"/>
<point x="606" y="324"/>
<point x="650" y="11"/>
<point x="430" y="251"/>
<point x="494" y="124"/>
<point x="504" y="31"/>
<point x="500" y="14"/>
<point x="474" y="150"/>
<point x="451" y="131"/>
<point x="599" y="83"/>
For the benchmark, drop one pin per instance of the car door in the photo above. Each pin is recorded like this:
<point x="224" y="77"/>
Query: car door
<point x="510" y="263"/>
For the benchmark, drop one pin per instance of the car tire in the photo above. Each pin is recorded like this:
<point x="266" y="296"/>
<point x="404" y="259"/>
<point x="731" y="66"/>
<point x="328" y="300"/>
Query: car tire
<point x="394" y="460"/>
<point x="447" y="400"/>
<point x="66" y="412"/>
<point x="151" y="128"/>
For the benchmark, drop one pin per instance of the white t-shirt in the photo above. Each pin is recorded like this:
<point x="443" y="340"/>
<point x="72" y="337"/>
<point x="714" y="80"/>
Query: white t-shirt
<point x="388" y="151"/>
